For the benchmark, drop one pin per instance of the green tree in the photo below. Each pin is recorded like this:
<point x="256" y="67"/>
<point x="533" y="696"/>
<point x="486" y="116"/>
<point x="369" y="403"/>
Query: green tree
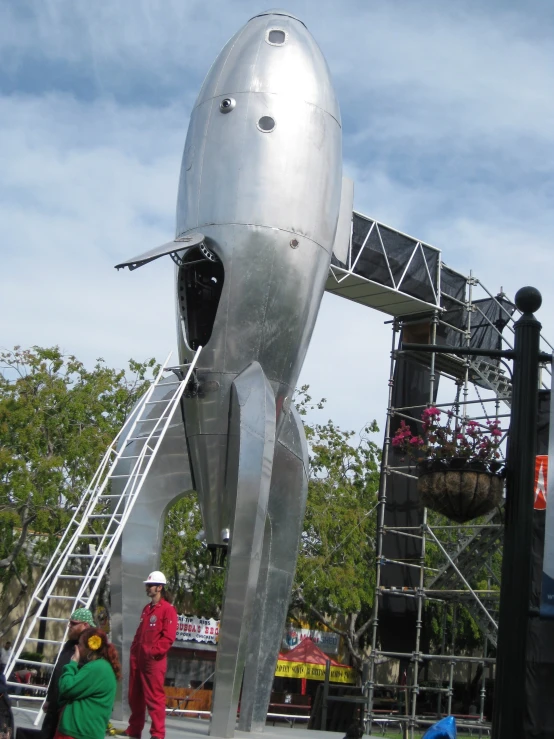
<point x="335" y="576"/>
<point x="196" y="586"/>
<point x="56" y="421"/>
<point x="484" y="579"/>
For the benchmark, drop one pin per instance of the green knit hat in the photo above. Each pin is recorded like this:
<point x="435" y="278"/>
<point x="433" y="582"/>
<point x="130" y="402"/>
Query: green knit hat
<point x="83" y="615"/>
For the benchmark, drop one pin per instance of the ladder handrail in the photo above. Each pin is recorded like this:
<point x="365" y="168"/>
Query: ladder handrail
<point x="130" y="501"/>
<point x="84" y="501"/>
<point x="90" y="499"/>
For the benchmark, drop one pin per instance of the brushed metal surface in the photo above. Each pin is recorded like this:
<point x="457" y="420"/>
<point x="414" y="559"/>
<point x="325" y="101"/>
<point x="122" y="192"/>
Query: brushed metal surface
<point x="138" y="551"/>
<point x="251" y="450"/>
<point x="287" y="504"/>
<point x="268" y="204"/>
<point x="261" y="179"/>
<point x="266" y="313"/>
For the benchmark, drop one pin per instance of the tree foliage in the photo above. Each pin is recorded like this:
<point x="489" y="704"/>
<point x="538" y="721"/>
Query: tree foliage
<point x="461" y="630"/>
<point x="335" y="577"/>
<point x="56" y="420"/>
<point x="197" y="588"/>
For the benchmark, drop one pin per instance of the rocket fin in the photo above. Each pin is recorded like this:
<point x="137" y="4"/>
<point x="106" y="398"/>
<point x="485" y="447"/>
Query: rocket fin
<point x="344" y="225"/>
<point x="287" y="504"/>
<point x="250" y="454"/>
<point x="175" y="248"/>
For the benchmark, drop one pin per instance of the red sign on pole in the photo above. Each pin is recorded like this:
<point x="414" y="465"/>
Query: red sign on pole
<point x="541" y="479"/>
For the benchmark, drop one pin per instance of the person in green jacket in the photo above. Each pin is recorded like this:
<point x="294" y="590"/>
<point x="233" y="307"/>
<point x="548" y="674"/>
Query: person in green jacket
<point x="87" y="687"/>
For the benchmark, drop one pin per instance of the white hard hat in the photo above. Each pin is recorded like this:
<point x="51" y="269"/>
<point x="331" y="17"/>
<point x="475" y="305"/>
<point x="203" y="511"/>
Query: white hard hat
<point x="156" y="578"/>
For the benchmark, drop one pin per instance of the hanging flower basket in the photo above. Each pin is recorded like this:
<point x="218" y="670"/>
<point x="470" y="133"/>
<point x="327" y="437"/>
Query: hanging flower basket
<point x="461" y="492"/>
<point x="459" y="463"/>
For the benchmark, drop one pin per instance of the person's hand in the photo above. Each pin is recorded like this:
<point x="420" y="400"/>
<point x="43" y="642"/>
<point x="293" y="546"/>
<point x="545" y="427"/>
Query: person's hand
<point x="45" y="706"/>
<point x="76" y="656"/>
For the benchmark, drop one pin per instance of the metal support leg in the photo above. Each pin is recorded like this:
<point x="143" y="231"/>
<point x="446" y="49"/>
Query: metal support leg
<point x="249" y="467"/>
<point x="287" y="504"/>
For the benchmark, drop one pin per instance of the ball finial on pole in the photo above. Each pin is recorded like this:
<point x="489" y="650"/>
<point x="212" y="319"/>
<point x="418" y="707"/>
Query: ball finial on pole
<point x="528" y="299"/>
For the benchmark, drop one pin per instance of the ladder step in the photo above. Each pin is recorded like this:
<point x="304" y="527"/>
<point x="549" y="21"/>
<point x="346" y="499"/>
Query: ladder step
<point x="44" y="641"/>
<point x="44" y="688"/>
<point x="142" y="438"/>
<point x="105" y="515"/>
<point x="32" y="662"/>
<point x="27" y="698"/>
<point x="155" y="402"/>
<point x="62" y="597"/>
<point x="52" y="618"/>
<point x="125" y="495"/>
<point x="95" y="536"/>
<point x="136" y="456"/>
<point x="71" y="577"/>
<point x="81" y="556"/>
<point x="133" y="474"/>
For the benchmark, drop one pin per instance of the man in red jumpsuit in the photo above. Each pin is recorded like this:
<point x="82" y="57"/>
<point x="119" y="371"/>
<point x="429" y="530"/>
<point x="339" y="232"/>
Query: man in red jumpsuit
<point x="155" y="635"/>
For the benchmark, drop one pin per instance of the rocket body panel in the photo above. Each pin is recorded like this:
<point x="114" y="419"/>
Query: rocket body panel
<point x="261" y="178"/>
<point x="268" y="304"/>
<point x="288" y="177"/>
<point x="290" y="63"/>
<point x="260" y="194"/>
<point x="266" y="313"/>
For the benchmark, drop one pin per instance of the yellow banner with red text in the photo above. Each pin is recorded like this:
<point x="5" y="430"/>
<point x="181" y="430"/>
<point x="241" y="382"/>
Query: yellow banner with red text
<point x="315" y="672"/>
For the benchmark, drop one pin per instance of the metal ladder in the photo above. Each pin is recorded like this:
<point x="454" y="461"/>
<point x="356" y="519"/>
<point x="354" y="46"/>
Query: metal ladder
<point x="86" y="546"/>
<point x="491" y="376"/>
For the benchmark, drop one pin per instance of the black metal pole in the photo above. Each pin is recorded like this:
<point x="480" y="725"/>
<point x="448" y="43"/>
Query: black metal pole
<point x="509" y="692"/>
<point x="325" y="695"/>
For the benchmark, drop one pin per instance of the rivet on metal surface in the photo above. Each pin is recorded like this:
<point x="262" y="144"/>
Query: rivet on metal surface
<point x="227" y="105"/>
<point x="225" y="536"/>
<point x="294" y="243"/>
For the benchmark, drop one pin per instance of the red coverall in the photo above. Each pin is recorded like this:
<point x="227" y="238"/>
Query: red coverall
<point x="155" y="635"/>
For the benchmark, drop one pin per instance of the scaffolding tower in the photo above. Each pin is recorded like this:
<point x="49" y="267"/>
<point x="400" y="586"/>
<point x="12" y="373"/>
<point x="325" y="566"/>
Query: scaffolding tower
<point x="451" y="568"/>
<point x="460" y="574"/>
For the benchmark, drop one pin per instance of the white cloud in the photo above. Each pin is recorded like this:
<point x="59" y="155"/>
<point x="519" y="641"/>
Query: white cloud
<point x="448" y="119"/>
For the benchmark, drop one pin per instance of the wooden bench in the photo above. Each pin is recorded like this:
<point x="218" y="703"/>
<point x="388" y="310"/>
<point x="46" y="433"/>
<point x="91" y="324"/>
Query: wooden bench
<point x="303" y="714"/>
<point x="384" y="722"/>
<point x="188" y="702"/>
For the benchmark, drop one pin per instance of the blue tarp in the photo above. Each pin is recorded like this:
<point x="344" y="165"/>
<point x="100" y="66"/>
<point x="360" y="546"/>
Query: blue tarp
<point x="445" y="729"/>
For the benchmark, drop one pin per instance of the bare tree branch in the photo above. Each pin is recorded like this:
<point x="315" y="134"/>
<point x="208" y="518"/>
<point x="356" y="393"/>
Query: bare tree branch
<point x="320" y="617"/>
<point x="8" y="561"/>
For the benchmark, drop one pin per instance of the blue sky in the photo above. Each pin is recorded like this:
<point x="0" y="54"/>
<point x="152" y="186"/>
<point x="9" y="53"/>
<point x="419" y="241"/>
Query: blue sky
<point x="448" y="119"/>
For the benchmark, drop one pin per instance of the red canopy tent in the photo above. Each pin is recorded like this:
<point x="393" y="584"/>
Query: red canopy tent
<point x="308" y="661"/>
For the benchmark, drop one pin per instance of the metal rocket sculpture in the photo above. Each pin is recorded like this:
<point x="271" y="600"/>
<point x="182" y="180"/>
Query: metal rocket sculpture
<point x="262" y="205"/>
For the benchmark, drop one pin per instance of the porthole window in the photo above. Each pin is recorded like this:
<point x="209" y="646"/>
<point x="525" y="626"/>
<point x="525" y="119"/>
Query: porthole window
<point x="276" y="37"/>
<point x="266" y="124"/>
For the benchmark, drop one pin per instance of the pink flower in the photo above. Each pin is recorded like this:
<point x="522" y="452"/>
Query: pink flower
<point x="430" y="413"/>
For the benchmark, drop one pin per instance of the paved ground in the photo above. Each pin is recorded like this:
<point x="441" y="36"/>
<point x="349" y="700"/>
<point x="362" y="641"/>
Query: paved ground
<point x="188" y="728"/>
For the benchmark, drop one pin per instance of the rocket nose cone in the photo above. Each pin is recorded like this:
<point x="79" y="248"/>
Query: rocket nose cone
<point x="278" y="11"/>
